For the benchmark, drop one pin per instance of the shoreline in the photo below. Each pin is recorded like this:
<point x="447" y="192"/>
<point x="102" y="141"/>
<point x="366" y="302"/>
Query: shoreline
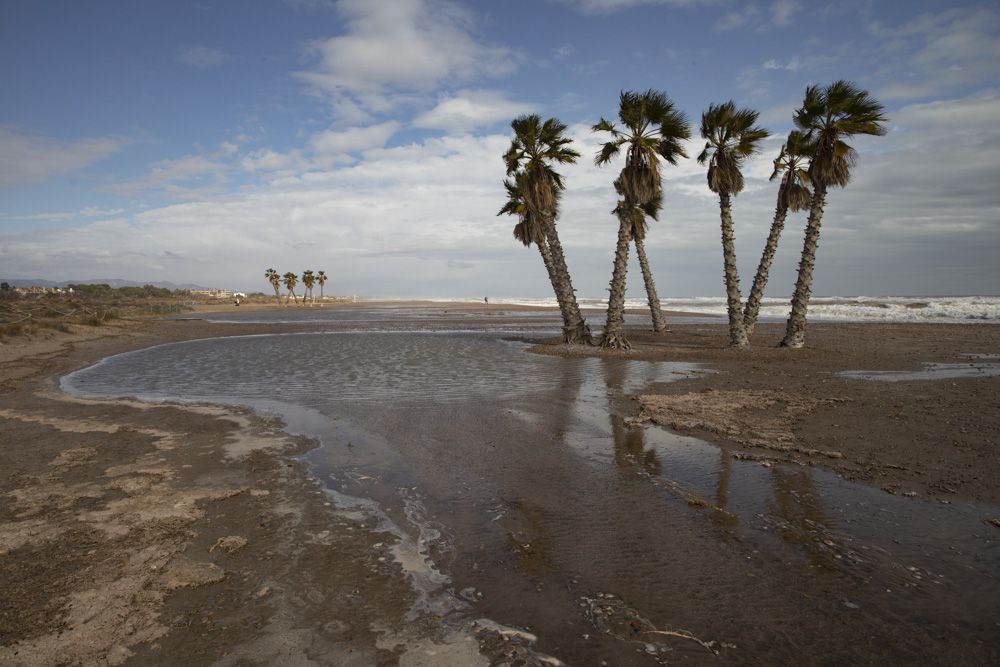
<point x="200" y="475"/>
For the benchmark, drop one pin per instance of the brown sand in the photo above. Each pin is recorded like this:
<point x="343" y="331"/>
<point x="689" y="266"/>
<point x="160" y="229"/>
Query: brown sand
<point x="167" y="534"/>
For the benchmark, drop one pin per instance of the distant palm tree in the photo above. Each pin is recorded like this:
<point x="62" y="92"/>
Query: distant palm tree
<point x="827" y="116"/>
<point x="793" y="195"/>
<point x="731" y="137"/>
<point x="530" y="230"/>
<point x="536" y="146"/>
<point x="291" y="280"/>
<point x="321" y="279"/>
<point x="275" y="280"/>
<point x="651" y="129"/>
<point x="308" y="280"/>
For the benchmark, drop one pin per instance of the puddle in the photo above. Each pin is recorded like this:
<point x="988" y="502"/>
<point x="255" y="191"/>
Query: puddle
<point x="509" y="491"/>
<point x="931" y="371"/>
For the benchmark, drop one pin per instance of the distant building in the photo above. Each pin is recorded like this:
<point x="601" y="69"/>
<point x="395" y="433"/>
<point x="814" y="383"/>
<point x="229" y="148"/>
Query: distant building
<point x="212" y="293"/>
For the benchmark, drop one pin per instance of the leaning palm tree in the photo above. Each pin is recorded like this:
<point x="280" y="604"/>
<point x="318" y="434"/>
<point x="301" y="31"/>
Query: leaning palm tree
<point x="793" y="195"/>
<point x="275" y="280"/>
<point x="530" y="230"/>
<point x="640" y="225"/>
<point x="290" y="280"/>
<point x="536" y="146"/>
<point x="308" y="280"/>
<point x="321" y="279"/>
<point x="651" y="129"/>
<point x="827" y="116"/>
<point x="731" y="137"/>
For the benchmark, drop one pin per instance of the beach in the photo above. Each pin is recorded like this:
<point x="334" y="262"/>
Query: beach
<point x="161" y="533"/>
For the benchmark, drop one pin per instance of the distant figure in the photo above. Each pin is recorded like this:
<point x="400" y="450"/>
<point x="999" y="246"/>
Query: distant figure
<point x="487" y="300"/>
<point x="237" y="301"/>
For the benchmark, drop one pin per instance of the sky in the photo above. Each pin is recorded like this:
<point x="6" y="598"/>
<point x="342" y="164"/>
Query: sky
<point x="203" y="142"/>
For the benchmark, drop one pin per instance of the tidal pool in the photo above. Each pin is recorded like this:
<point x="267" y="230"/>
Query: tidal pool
<point x="513" y="490"/>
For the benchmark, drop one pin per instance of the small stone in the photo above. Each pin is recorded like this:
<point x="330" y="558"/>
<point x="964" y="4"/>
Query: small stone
<point x="850" y="605"/>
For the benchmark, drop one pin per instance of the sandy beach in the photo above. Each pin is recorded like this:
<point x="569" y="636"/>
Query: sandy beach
<point x="139" y="533"/>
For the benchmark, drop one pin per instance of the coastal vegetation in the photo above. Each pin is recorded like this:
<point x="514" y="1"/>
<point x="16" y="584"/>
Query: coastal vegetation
<point x="290" y="280"/>
<point x="814" y="158"/>
<point x="651" y="128"/>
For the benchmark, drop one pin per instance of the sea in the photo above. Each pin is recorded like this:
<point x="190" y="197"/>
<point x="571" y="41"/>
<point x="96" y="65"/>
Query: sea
<point x="949" y="309"/>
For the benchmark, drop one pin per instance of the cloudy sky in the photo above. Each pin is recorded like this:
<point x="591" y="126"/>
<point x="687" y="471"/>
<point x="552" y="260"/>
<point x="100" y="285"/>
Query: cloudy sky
<point x="206" y="141"/>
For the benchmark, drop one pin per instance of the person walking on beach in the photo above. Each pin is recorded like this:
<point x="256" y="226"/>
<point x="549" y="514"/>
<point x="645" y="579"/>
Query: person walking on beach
<point x="487" y="300"/>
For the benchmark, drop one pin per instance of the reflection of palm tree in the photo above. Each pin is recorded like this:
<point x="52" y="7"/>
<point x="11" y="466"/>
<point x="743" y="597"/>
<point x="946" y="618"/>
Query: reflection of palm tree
<point x="629" y="441"/>
<point x="798" y="504"/>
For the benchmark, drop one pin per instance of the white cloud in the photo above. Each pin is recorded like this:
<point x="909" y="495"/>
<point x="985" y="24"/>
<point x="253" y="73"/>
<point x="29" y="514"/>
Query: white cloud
<point x="27" y="159"/>
<point x="399" y="47"/>
<point x="168" y="174"/>
<point x="336" y="144"/>
<point x="792" y="65"/>
<point x="267" y="160"/>
<point x="608" y="6"/>
<point x="202" y="57"/>
<point x="939" y="52"/>
<point x="782" y="11"/>
<point x="470" y="109"/>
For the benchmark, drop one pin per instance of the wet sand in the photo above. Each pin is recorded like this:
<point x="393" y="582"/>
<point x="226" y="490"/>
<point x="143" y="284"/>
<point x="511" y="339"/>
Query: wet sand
<point x="162" y="534"/>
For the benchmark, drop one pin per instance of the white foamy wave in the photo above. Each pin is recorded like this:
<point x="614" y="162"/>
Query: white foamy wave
<point x="841" y="308"/>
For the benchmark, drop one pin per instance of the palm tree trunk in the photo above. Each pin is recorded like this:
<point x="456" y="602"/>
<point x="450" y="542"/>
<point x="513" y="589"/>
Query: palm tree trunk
<point x="277" y="294"/>
<point x="575" y="330"/>
<point x="795" y="331"/>
<point x="546" y="253"/>
<point x="752" y="308"/>
<point x="737" y="334"/>
<point x="321" y="297"/>
<point x="659" y="322"/>
<point x="614" y="329"/>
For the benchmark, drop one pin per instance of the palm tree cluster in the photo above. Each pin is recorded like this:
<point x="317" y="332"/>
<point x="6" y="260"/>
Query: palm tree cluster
<point x="290" y="281"/>
<point x="650" y="129"/>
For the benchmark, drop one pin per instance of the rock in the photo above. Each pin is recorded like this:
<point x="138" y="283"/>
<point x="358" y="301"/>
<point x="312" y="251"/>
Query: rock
<point x="230" y="544"/>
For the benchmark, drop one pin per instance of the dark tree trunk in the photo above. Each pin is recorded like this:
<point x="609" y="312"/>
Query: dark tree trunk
<point x="614" y="329"/>
<point x="575" y="329"/>
<point x="795" y="331"/>
<point x="756" y="295"/>
<point x="734" y="306"/>
<point x="277" y="293"/>
<point x="659" y="322"/>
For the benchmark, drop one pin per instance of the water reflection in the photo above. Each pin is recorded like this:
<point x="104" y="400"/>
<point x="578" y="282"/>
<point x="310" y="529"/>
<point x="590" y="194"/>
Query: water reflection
<point x="518" y="475"/>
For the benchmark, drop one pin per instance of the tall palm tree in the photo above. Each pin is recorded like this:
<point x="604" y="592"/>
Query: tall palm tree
<point x="536" y="146"/>
<point x="651" y="129"/>
<point x="321" y="279"/>
<point x="290" y="280"/>
<point x="731" y="137"/>
<point x="640" y="225"/>
<point x="308" y="280"/>
<point x="530" y="230"/>
<point x="827" y="116"/>
<point x="275" y="280"/>
<point x="793" y="195"/>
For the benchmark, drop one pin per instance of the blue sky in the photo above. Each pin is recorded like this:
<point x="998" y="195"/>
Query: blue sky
<point x="206" y="141"/>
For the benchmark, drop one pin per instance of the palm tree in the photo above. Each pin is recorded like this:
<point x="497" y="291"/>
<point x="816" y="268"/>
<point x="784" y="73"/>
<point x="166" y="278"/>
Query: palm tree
<point x="308" y="280"/>
<point x="530" y="230"/>
<point x="321" y="279"/>
<point x="291" y="280"/>
<point x="793" y="195"/>
<point x="731" y="137"/>
<point x="275" y="280"/>
<point x="827" y="116"/>
<point x="640" y="225"/>
<point x="651" y="129"/>
<point x="533" y="150"/>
